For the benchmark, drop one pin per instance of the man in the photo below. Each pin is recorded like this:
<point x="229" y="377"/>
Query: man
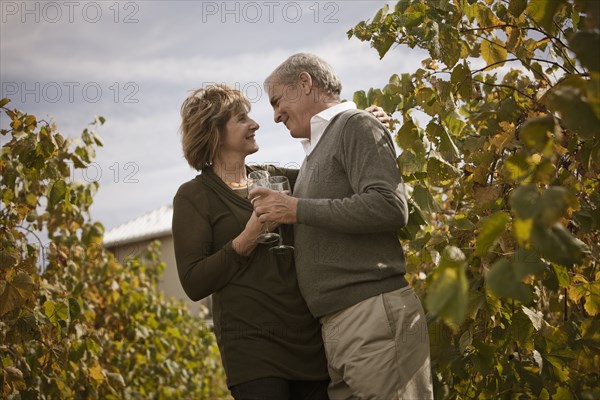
<point x="347" y="205"/>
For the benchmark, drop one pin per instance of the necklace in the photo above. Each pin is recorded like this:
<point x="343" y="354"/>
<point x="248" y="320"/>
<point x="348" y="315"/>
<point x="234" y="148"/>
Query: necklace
<point x="236" y="184"/>
<point x="233" y="184"/>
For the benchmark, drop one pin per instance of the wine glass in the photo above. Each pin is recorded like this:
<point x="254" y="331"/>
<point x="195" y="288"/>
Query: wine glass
<point x="258" y="179"/>
<point x="280" y="184"/>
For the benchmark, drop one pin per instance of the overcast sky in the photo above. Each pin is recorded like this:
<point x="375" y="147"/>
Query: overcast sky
<point x="134" y="63"/>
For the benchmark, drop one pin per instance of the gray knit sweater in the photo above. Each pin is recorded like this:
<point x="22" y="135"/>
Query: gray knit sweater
<point x="351" y="203"/>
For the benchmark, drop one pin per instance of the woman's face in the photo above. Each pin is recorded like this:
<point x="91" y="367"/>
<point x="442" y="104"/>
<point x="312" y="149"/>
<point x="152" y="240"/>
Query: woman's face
<point x="239" y="135"/>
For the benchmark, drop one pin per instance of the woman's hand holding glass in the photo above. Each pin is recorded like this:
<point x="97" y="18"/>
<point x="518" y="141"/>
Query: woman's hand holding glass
<point x="246" y="241"/>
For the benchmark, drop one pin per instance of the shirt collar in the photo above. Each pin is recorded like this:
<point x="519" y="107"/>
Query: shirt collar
<point x="320" y="122"/>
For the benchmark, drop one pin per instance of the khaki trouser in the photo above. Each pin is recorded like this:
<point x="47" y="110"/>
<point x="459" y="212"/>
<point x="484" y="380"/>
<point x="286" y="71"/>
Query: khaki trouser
<point x="379" y="349"/>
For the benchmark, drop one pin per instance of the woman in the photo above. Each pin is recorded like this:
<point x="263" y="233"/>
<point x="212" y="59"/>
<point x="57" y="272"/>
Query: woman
<point x="269" y="342"/>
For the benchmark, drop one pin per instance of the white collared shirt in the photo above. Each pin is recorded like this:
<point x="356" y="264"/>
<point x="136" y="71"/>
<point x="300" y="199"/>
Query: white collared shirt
<point x="320" y="122"/>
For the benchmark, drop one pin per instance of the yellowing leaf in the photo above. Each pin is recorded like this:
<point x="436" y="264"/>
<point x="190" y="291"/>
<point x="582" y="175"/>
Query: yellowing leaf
<point x="428" y="100"/>
<point x="56" y="311"/>
<point x="360" y="98"/>
<point x="562" y="275"/>
<point x="589" y="291"/>
<point x="493" y="52"/>
<point x="536" y="132"/>
<point x="409" y="163"/>
<point x="470" y="10"/>
<point x="563" y="393"/>
<point x="96" y="373"/>
<point x="448" y="291"/>
<point x="7" y="259"/>
<point x="14" y="291"/>
<point x="438" y="135"/>
<point x="440" y="172"/>
<point x="485" y="16"/>
<point x="451" y="46"/>
<point x="483" y="161"/>
<point x="505" y="138"/>
<point x="516" y="7"/>
<point x="522" y="330"/>
<point x="560" y="370"/>
<point x="592" y="299"/>
<point x="408" y="138"/>
<point x="31" y="199"/>
<point x="490" y="231"/>
<point x="543" y="11"/>
<point x="578" y="289"/>
<point x="518" y="167"/>
<point x="522" y="229"/>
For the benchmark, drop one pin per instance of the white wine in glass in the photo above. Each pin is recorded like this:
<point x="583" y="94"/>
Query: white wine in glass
<point x="280" y="184"/>
<point x="258" y="179"/>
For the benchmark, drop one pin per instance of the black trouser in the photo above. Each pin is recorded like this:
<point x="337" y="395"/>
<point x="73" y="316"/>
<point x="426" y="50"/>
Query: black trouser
<point x="280" y="389"/>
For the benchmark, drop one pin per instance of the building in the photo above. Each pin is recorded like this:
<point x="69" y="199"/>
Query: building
<point x="133" y="237"/>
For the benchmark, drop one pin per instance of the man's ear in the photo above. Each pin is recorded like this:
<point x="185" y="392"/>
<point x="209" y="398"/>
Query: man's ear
<point x="305" y="81"/>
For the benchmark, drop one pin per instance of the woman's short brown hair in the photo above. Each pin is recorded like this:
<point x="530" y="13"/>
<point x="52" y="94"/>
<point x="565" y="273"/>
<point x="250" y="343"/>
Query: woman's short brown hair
<point x="204" y="115"/>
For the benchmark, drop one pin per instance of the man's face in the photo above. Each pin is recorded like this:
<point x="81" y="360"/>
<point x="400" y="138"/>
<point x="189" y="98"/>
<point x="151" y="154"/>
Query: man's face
<point x="291" y="106"/>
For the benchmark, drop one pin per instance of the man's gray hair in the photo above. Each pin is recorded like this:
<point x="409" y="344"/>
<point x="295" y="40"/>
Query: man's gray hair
<point x="320" y="71"/>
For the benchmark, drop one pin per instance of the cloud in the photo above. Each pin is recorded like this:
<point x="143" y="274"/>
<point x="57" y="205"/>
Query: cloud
<point x="144" y="68"/>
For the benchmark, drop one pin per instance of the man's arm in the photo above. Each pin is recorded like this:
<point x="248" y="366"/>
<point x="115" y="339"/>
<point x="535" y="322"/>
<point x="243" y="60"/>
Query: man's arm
<point x="379" y="203"/>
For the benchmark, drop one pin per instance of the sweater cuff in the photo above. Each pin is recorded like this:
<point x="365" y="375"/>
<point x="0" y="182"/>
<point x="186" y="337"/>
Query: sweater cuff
<point x="306" y="209"/>
<point x="228" y="249"/>
<point x="300" y="211"/>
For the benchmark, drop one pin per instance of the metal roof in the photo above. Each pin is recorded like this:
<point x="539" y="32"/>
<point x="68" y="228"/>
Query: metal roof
<point x="154" y="224"/>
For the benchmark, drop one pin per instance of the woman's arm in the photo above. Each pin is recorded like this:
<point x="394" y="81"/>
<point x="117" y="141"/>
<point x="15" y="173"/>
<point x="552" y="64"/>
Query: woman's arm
<point x="203" y="269"/>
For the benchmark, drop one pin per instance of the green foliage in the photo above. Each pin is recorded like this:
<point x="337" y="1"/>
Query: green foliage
<point x="75" y="323"/>
<point x="502" y="169"/>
